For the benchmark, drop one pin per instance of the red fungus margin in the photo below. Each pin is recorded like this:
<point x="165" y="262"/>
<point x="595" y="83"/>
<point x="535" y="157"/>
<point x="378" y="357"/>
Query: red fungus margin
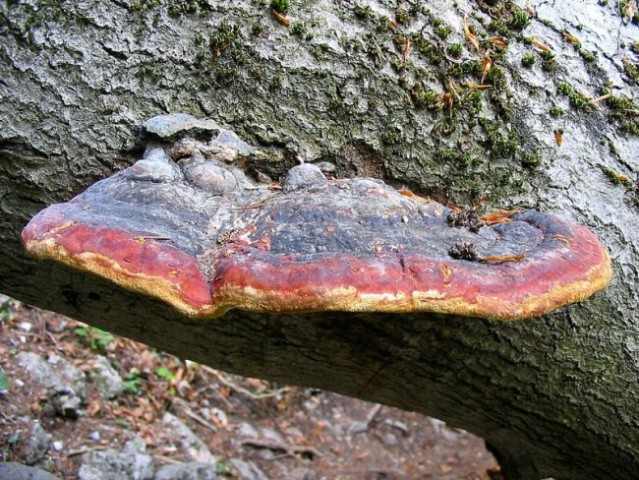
<point x="211" y="242"/>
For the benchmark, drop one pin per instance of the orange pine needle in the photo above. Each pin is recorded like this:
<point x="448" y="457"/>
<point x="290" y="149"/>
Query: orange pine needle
<point x="571" y="38"/>
<point x="486" y="64"/>
<point x="449" y="100"/>
<point x="498" y="216"/>
<point x="541" y="46"/>
<point x="478" y="86"/>
<point x="559" y="137"/>
<point x="498" y="42"/>
<point x="470" y="35"/>
<point x="281" y="18"/>
<point x="595" y="101"/>
<point x="406" y="51"/>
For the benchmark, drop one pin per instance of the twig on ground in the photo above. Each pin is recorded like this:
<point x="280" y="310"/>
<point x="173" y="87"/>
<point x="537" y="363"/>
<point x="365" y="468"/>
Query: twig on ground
<point x="288" y="449"/>
<point x="194" y="416"/>
<point x="227" y="382"/>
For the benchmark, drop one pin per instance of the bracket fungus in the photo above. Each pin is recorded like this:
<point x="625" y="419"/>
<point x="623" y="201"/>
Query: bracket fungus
<point x="186" y="226"/>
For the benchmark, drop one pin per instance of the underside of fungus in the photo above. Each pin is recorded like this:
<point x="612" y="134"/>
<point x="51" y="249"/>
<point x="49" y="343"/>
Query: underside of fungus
<point x="186" y="226"/>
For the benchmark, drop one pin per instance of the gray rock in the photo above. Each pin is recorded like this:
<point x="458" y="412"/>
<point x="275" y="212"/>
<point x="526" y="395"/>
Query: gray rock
<point x="230" y="139"/>
<point x="248" y="470"/>
<point x="17" y="471"/>
<point x="65" y="383"/>
<point x="302" y="176"/>
<point x="326" y="167"/>
<point x="302" y="474"/>
<point x="188" y="442"/>
<point x="106" y="378"/>
<point x="178" y="125"/>
<point x="211" y="177"/>
<point x="114" y="465"/>
<point x="247" y="430"/>
<point x="37" y="445"/>
<point x="186" y="471"/>
<point x="135" y="445"/>
<point x="156" y="166"/>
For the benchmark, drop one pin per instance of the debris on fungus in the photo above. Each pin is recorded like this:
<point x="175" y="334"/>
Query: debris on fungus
<point x="186" y="226"/>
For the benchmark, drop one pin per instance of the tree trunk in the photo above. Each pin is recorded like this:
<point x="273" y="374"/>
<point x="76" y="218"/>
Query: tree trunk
<point x="375" y="89"/>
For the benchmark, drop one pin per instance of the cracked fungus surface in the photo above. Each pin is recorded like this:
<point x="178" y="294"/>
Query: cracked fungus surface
<point x="199" y="235"/>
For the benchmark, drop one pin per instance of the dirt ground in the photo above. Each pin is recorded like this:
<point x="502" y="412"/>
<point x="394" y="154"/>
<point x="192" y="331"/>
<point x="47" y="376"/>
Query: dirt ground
<point x="289" y="433"/>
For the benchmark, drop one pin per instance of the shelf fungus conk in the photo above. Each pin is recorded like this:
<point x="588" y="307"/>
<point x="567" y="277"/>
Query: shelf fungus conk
<point x="186" y="226"/>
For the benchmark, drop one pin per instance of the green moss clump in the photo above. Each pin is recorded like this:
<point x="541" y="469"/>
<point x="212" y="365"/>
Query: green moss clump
<point x="454" y="157"/>
<point x="362" y="12"/>
<point x="624" y="111"/>
<point x="299" y="30"/>
<point x="257" y="28"/>
<point x="531" y="160"/>
<point x="148" y="73"/>
<point x="631" y="69"/>
<point x="588" y="56"/>
<point x="557" y="111"/>
<point x="144" y="5"/>
<point x="500" y="145"/>
<point x="402" y="16"/>
<point x="578" y="100"/>
<point x="423" y="98"/>
<point x="459" y="70"/>
<point x="496" y="77"/>
<point x="443" y="32"/>
<point x="222" y="38"/>
<point x="280" y="6"/>
<point x="548" y="61"/>
<point x="528" y="60"/>
<point x="182" y="7"/>
<point x="471" y="101"/>
<point x="455" y="50"/>
<point x="429" y="50"/>
<point x="635" y="47"/>
<point x="520" y="18"/>
<point x="500" y="27"/>
<point x="441" y="29"/>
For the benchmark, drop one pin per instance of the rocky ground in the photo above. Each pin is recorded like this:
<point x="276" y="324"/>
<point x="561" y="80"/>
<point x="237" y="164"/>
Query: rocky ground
<point x="84" y="404"/>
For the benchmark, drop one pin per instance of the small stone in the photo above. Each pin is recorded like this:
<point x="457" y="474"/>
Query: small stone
<point x="112" y="465"/>
<point x="211" y="177"/>
<point x="65" y="383"/>
<point x="247" y="430"/>
<point x="188" y="442"/>
<point x="326" y="167"/>
<point x="56" y="323"/>
<point x="17" y="471"/>
<point x="37" y="444"/>
<point x="186" y="471"/>
<point x="248" y="470"/>
<point x="106" y="378"/>
<point x="156" y="166"/>
<point x="303" y="176"/>
<point x="134" y="445"/>
<point x="57" y="446"/>
<point x="179" y="125"/>
<point x="95" y="436"/>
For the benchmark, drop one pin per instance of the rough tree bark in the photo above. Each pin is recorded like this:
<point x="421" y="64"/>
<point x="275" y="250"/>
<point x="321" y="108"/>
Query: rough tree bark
<point x="368" y="88"/>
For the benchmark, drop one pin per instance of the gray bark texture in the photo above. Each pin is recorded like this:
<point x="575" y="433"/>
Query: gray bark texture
<point x="367" y="88"/>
